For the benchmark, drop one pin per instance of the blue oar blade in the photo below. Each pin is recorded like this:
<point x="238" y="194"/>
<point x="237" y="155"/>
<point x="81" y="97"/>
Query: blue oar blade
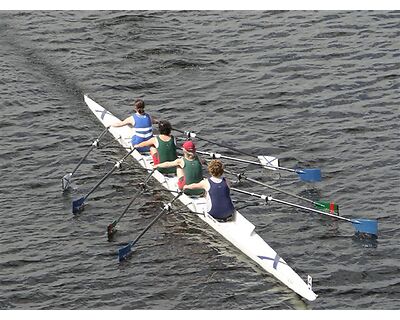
<point x="366" y="226"/>
<point x="310" y="175"/>
<point x="77" y="205"/>
<point x="124" y="252"/>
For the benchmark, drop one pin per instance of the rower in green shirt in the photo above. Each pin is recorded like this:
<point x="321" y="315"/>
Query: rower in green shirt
<point x="162" y="147"/>
<point x="188" y="168"/>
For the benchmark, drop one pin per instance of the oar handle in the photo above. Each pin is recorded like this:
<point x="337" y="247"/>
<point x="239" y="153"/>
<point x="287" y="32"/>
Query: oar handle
<point x="269" y="198"/>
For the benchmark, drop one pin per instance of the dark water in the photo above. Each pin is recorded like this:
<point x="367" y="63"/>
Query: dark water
<point x="316" y="89"/>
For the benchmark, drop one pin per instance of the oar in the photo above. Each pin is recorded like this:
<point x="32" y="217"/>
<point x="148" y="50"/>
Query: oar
<point x="66" y="180"/>
<point x="124" y="252"/>
<point x="78" y="205"/>
<point x="307" y="175"/>
<point x="111" y="227"/>
<point x="190" y="134"/>
<point x="366" y="226"/>
<point x="330" y="206"/>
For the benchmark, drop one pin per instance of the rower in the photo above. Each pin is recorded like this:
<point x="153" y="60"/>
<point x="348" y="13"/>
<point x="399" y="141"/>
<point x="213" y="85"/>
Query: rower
<point x="188" y="168"/>
<point x="219" y="202"/>
<point x="142" y="122"/>
<point x="162" y="147"/>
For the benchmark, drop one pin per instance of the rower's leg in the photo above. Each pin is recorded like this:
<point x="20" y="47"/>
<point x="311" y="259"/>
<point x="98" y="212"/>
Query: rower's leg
<point x="154" y="155"/>
<point x="181" y="177"/>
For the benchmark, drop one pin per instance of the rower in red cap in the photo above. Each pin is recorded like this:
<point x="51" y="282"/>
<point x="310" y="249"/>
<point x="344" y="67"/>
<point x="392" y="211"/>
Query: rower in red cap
<point x="188" y="168"/>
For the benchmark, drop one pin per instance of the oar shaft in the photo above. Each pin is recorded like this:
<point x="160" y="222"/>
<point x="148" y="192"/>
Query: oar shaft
<point x="307" y="175"/>
<point x="101" y="181"/>
<point x="242" y="176"/>
<point x="278" y="190"/>
<point x="138" y="193"/>
<point x="191" y="134"/>
<point x="310" y="209"/>
<point x="220" y="156"/>
<point x="163" y="211"/>
<point x="116" y="166"/>
<point x="94" y="144"/>
<point x="166" y="208"/>
<point x="269" y="198"/>
<point x="83" y="159"/>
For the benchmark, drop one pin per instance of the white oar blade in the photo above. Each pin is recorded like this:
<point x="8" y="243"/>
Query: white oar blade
<point x="66" y="181"/>
<point x="269" y="162"/>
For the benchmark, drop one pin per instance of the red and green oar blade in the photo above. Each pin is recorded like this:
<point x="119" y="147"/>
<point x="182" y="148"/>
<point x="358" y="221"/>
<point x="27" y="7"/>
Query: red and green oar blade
<point x="111" y="230"/>
<point x="327" y="206"/>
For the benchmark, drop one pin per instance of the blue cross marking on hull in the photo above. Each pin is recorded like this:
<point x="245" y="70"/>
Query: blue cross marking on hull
<point x="103" y="113"/>
<point x="275" y="260"/>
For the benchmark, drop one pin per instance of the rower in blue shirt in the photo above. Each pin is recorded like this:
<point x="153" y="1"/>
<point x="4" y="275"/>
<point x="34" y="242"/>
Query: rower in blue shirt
<point x="141" y="122"/>
<point x="219" y="202"/>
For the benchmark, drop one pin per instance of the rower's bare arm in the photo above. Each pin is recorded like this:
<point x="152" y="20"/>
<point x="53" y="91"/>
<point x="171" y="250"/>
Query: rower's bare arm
<point x="168" y="164"/>
<point x="198" y="185"/>
<point x="147" y="143"/>
<point x="122" y="123"/>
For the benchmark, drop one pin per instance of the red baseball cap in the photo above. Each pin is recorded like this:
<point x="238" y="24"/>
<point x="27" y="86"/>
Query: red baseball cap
<point x="189" y="146"/>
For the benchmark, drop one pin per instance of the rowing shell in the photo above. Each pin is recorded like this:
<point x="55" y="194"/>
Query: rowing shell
<point x="239" y="231"/>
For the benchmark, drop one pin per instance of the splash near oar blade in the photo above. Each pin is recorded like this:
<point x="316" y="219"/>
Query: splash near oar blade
<point x="124" y="252"/>
<point x="327" y="206"/>
<point x="366" y="226"/>
<point x="77" y="205"/>
<point x="309" y="175"/>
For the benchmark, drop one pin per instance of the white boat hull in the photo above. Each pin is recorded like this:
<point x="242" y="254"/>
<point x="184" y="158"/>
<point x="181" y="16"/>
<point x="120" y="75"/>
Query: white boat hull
<point x="239" y="231"/>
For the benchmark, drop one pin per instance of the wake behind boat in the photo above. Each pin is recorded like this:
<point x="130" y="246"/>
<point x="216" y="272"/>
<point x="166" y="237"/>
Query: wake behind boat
<point x="238" y="231"/>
